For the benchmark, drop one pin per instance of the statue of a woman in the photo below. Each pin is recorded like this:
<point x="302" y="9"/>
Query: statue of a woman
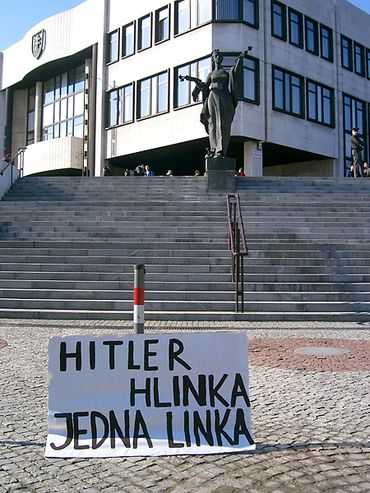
<point x="220" y="94"/>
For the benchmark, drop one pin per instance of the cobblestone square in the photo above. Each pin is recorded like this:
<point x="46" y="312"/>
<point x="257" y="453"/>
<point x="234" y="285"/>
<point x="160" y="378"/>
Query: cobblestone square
<point x="310" y="415"/>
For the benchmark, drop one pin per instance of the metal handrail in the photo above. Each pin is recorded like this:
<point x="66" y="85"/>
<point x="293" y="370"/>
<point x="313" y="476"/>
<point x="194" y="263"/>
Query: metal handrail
<point x="237" y="246"/>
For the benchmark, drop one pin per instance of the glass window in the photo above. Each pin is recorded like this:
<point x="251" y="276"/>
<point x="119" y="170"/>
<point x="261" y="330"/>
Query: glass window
<point x="183" y="89"/>
<point x="278" y="12"/>
<point x="295" y="28"/>
<point x="113" y="46"/>
<point x="250" y="81"/>
<point x="359" y="59"/>
<point x="128" y="39"/>
<point x="113" y="108"/>
<point x="49" y="91"/>
<point x="121" y="106"/>
<point x="145" y="32"/>
<point x="312" y="36"/>
<point x="182" y="16"/>
<point x="204" y="13"/>
<point x="368" y="63"/>
<point x="162" y="24"/>
<point x="31" y="115"/>
<point x="320" y="103"/>
<point x="63" y="99"/>
<point x="287" y="92"/>
<point x="227" y="10"/>
<point x="153" y="95"/>
<point x="326" y="43"/>
<point x="162" y="92"/>
<point x="346" y="49"/>
<point x="144" y="92"/>
<point x="250" y="12"/>
<point x="191" y="13"/>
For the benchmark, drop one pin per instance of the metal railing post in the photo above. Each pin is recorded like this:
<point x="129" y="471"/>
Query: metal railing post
<point x="139" y="272"/>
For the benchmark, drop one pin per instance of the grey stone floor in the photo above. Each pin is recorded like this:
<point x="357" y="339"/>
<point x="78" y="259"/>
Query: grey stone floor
<point x="312" y="428"/>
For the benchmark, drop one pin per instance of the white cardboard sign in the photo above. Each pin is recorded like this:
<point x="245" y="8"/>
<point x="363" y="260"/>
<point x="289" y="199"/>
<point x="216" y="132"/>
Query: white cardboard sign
<point x="148" y="395"/>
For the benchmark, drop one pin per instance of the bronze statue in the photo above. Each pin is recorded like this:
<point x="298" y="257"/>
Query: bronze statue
<point x="220" y="95"/>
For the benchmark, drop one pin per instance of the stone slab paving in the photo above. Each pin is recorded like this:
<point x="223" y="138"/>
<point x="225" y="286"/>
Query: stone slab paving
<point x="311" y="422"/>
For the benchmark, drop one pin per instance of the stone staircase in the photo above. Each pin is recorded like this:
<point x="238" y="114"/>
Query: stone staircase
<point x="68" y="246"/>
<point x="309" y="242"/>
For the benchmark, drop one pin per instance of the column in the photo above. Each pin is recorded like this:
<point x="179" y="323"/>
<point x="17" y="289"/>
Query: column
<point x="253" y="159"/>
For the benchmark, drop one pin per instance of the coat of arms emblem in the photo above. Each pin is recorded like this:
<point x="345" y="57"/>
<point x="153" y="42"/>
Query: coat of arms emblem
<point x="38" y="43"/>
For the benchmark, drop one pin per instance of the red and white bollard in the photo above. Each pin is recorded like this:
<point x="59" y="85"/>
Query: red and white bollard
<point x="139" y="299"/>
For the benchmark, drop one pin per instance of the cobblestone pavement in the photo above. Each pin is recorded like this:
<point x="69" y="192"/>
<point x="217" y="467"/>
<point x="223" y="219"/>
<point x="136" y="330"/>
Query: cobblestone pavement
<point x="311" y="422"/>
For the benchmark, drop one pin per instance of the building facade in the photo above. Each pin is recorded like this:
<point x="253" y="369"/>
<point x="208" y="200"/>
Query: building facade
<point x="100" y="84"/>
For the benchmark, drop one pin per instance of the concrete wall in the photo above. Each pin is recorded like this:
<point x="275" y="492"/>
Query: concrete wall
<point x="51" y="155"/>
<point x="308" y="168"/>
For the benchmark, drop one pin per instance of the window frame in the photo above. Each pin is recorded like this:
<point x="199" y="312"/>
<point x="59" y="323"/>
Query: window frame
<point x="315" y="50"/>
<point x="153" y="96"/>
<point x="120" y="92"/>
<point x="110" y="59"/>
<point x="320" y="101"/>
<point x="283" y="16"/>
<point x="350" y="52"/>
<point x="139" y="24"/>
<point x="300" y="42"/>
<point x="289" y="74"/>
<point x="361" y="70"/>
<point x="124" y="37"/>
<point x="330" y="38"/>
<point x="156" y="24"/>
<point x="176" y="69"/>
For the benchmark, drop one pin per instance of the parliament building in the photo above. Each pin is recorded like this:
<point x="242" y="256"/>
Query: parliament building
<point x="98" y="85"/>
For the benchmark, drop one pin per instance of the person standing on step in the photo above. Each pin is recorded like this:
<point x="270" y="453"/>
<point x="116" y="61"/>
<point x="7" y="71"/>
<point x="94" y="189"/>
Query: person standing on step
<point x="357" y="146"/>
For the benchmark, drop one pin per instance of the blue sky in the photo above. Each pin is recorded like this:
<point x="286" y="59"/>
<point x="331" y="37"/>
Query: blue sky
<point x="19" y="16"/>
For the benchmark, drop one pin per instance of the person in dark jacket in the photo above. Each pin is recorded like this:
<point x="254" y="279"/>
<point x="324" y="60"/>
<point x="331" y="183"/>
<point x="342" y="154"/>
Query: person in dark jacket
<point x="357" y="146"/>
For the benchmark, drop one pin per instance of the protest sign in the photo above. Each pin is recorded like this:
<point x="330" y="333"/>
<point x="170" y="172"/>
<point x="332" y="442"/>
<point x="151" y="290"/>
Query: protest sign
<point x="148" y="395"/>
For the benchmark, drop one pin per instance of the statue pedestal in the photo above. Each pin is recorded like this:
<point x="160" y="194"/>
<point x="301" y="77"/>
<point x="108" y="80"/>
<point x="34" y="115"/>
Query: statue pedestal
<point x="220" y="174"/>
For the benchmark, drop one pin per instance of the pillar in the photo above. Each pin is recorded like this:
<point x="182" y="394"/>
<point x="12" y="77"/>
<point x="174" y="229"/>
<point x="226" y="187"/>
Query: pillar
<point x="253" y="158"/>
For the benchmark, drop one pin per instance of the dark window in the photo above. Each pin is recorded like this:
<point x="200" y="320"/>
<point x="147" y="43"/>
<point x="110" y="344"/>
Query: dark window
<point x="128" y="39"/>
<point x="153" y="95"/>
<point x="250" y="76"/>
<point x="320" y="103"/>
<point x="295" y="28"/>
<point x="121" y="105"/>
<point x="312" y="36"/>
<point x="326" y="42"/>
<point x="144" y="32"/>
<point x="227" y="10"/>
<point x="346" y="49"/>
<point x="113" y="46"/>
<point x="354" y="116"/>
<point x="359" y="59"/>
<point x="192" y="13"/>
<point x="31" y="116"/>
<point x="287" y="92"/>
<point x="162" y="24"/>
<point x="199" y="68"/>
<point x="278" y="20"/>
<point x="368" y="62"/>
<point x="250" y="12"/>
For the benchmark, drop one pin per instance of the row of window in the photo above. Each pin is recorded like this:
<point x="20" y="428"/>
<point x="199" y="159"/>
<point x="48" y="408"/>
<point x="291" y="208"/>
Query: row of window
<point x="155" y="27"/>
<point x="301" y="31"/>
<point x="355" y="57"/>
<point x="289" y="97"/>
<point x="153" y="93"/>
